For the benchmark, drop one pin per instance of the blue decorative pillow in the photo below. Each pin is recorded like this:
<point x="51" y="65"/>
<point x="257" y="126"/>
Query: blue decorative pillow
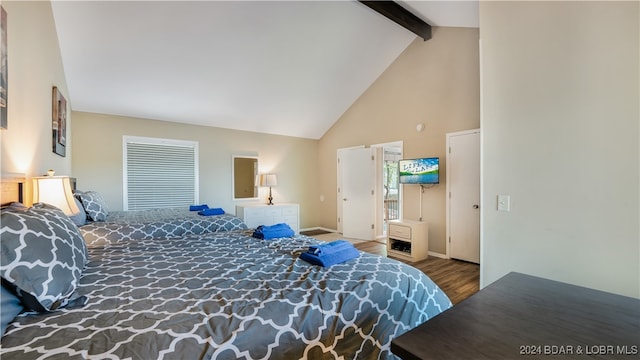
<point x="10" y="307"/>
<point x="42" y="255"/>
<point x="94" y="205"/>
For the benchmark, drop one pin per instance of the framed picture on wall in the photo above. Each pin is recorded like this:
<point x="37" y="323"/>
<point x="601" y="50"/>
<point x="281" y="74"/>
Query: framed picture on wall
<point x="4" y="70"/>
<point x="59" y="123"/>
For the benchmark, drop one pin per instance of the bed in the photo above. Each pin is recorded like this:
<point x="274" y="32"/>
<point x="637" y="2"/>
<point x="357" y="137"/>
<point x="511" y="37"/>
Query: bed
<point x="99" y="226"/>
<point x="166" y="223"/>
<point x="220" y="295"/>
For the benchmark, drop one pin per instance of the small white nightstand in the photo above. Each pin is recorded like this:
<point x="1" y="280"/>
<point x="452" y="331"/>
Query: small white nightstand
<point x="408" y="240"/>
<point x="255" y="215"/>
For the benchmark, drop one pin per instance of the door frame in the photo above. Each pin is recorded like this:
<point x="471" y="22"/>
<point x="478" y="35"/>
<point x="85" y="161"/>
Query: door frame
<point x="379" y="231"/>
<point x="398" y="145"/>
<point x="448" y="190"/>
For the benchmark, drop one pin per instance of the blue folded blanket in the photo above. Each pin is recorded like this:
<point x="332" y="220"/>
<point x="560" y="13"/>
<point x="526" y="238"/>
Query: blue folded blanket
<point x="274" y="227"/>
<point x="330" y="248"/>
<point x="198" y="207"/>
<point x="212" y="211"/>
<point x="331" y="253"/>
<point x="268" y="232"/>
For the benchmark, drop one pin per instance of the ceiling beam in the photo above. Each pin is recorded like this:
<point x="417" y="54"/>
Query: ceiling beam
<point x="401" y="16"/>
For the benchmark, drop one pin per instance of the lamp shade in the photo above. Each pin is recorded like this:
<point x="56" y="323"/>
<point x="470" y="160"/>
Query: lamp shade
<point x="56" y="191"/>
<point x="268" y="180"/>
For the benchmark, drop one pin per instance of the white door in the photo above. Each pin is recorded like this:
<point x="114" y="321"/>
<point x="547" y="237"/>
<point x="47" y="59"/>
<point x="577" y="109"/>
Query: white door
<point x="463" y="187"/>
<point x="358" y="192"/>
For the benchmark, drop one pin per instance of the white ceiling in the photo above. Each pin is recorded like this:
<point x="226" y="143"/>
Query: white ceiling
<point x="287" y="67"/>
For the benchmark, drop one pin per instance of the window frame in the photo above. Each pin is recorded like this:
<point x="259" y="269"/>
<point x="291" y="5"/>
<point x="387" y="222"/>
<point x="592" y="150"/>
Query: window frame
<point x="127" y="139"/>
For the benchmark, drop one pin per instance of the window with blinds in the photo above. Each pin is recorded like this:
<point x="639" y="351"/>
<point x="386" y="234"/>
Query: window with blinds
<point x="159" y="173"/>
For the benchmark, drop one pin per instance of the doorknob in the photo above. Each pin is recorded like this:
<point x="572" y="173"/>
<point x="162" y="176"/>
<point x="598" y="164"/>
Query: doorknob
<point x="476" y="206"/>
<point x="345" y="199"/>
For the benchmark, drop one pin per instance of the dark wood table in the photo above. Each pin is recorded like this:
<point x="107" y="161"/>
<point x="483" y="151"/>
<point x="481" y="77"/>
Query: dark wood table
<point x="526" y="317"/>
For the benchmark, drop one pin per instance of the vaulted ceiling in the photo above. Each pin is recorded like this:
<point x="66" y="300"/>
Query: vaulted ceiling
<point x="280" y="67"/>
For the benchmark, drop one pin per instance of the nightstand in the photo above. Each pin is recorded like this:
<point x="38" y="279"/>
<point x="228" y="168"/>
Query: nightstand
<point x="408" y="240"/>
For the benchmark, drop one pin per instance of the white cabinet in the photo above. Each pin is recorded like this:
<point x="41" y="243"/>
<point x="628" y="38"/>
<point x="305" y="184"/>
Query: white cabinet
<point x="255" y="215"/>
<point x="408" y="240"/>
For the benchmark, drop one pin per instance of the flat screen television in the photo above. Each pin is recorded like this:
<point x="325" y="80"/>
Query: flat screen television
<point x="419" y="171"/>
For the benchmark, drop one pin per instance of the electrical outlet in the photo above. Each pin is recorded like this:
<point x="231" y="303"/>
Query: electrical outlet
<point x="504" y="203"/>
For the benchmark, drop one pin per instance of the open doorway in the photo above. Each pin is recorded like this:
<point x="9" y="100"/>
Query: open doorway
<point x="366" y="205"/>
<point x="391" y="199"/>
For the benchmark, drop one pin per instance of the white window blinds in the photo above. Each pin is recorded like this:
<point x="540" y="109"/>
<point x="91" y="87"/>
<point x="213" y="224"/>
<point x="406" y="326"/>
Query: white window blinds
<point x="159" y="173"/>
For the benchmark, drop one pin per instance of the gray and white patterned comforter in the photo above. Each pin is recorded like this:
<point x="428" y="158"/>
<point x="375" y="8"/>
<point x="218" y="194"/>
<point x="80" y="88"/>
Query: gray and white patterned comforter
<point x="167" y="223"/>
<point x="229" y="296"/>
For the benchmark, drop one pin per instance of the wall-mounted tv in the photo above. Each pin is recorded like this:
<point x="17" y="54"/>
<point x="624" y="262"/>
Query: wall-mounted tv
<point x="419" y="171"/>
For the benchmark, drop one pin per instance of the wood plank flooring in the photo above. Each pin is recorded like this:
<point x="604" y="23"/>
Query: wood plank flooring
<point x="458" y="279"/>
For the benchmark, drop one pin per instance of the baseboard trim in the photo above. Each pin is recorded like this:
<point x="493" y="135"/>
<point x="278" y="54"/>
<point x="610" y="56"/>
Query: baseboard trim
<point x="438" y="255"/>
<point x="319" y="228"/>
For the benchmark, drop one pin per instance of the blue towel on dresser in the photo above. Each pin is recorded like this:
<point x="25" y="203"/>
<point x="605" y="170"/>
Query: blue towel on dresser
<point x="331" y="253"/>
<point x="212" y="211"/>
<point x="198" y="207"/>
<point x="268" y="232"/>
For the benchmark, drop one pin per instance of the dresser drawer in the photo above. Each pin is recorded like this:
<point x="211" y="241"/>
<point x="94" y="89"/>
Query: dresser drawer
<point x="255" y="211"/>
<point x="399" y="231"/>
<point x="255" y="221"/>
<point x="256" y="215"/>
<point x="292" y="221"/>
<point x="290" y="211"/>
<point x="273" y="211"/>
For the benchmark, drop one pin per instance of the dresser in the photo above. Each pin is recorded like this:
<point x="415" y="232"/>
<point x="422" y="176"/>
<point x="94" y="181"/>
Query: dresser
<point x="255" y="215"/>
<point x="525" y="317"/>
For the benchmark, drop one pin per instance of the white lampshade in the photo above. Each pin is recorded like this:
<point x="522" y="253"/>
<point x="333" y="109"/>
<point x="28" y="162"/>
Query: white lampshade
<point x="268" y="180"/>
<point x="56" y="191"/>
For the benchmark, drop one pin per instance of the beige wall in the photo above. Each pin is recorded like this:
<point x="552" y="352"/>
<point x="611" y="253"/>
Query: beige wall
<point x="434" y="82"/>
<point x="97" y="160"/>
<point x="35" y="66"/>
<point x="560" y="134"/>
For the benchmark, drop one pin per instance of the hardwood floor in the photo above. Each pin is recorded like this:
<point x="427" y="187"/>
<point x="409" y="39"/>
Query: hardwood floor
<point x="458" y="279"/>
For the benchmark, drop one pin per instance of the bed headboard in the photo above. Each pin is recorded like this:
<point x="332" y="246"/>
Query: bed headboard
<point x="12" y="188"/>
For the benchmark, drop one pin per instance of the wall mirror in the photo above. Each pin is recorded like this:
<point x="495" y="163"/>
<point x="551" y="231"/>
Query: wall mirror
<point x="244" y="170"/>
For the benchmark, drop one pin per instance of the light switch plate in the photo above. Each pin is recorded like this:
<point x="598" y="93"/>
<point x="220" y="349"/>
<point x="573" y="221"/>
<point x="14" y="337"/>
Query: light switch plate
<point x="504" y="203"/>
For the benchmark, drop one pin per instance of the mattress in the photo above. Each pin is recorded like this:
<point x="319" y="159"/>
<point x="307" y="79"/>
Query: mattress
<point x="163" y="223"/>
<point x="227" y="295"/>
